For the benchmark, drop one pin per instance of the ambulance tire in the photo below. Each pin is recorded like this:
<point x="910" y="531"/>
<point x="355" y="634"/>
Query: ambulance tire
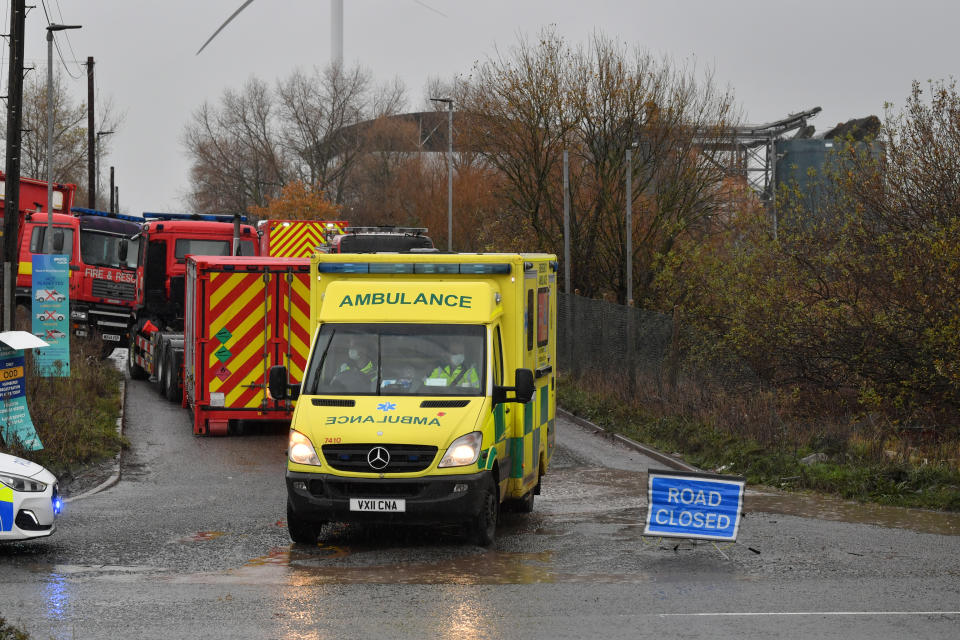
<point x="136" y="371"/>
<point x="302" y="531"/>
<point x="525" y="504"/>
<point x="483" y="529"/>
<point x="173" y="359"/>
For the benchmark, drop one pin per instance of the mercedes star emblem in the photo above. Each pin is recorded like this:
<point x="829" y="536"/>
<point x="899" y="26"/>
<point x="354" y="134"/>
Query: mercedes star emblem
<point x="378" y="458"/>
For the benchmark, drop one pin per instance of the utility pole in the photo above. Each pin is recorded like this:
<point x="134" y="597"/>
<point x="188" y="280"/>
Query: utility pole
<point x="112" y="192"/>
<point x="91" y="141"/>
<point x="11" y="218"/>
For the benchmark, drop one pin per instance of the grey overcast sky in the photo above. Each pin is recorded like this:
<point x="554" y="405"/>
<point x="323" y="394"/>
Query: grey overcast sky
<point x="778" y="57"/>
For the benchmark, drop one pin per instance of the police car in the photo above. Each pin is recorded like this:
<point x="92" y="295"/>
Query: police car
<point x="29" y="499"/>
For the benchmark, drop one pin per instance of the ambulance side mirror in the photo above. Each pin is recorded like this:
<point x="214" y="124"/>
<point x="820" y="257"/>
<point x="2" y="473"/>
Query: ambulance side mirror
<point x="278" y="387"/>
<point x="523" y="389"/>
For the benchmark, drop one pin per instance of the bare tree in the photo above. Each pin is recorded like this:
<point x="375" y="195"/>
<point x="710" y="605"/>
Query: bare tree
<point x="238" y="160"/>
<point x="308" y="129"/>
<point x="69" y="133"/>
<point x="597" y="102"/>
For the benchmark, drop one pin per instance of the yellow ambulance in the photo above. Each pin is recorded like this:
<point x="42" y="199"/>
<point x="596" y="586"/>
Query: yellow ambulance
<point x="430" y="391"/>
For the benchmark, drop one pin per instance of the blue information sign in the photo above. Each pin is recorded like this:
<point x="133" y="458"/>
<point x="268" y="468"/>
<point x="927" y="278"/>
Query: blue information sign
<point x="15" y="422"/>
<point x="694" y="505"/>
<point x="51" y="313"/>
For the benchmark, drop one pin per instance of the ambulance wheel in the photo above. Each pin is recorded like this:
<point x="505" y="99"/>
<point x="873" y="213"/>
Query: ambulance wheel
<point x="484" y="525"/>
<point x="301" y="531"/>
<point x="525" y="504"/>
<point x="136" y="371"/>
<point x="171" y="375"/>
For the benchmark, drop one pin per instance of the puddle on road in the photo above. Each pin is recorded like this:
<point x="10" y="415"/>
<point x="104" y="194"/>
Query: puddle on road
<point x="836" y="509"/>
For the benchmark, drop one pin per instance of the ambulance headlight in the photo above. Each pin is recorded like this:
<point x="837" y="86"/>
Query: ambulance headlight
<point x="19" y="483"/>
<point x="464" y="451"/>
<point x="300" y="449"/>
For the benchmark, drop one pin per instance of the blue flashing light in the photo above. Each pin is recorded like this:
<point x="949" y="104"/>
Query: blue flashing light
<point x="343" y="267"/>
<point x="436" y="268"/>
<point x="105" y="214"/>
<point x="441" y="268"/>
<point x="57" y="505"/>
<point x="493" y="268"/>
<point x="391" y="267"/>
<point x="207" y="217"/>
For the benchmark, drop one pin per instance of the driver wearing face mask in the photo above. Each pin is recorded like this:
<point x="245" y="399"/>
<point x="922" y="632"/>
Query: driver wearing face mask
<point x="456" y="373"/>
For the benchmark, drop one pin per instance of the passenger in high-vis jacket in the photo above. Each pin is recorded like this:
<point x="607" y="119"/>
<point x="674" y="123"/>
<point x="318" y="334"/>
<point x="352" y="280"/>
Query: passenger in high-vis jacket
<point x="456" y="372"/>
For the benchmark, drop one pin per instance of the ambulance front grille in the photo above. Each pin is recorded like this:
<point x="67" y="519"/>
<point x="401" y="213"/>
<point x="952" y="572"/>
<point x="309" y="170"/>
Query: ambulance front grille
<point x="344" y="489"/>
<point x="404" y="458"/>
<point x="332" y="402"/>
<point x="443" y="404"/>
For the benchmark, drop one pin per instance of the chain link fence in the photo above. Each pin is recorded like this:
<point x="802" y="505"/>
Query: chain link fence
<point x="636" y="353"/>
<point x="599" y="338"/>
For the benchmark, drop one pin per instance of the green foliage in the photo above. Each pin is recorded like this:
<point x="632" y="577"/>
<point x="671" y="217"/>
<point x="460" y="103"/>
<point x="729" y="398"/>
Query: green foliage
<point x="845" y="474"/>
<point x="855" y="290"/>
<point x="10" y="632"/>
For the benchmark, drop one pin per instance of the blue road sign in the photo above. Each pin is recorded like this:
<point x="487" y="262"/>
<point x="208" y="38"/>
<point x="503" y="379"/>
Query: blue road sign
<point x="683" y="504"/>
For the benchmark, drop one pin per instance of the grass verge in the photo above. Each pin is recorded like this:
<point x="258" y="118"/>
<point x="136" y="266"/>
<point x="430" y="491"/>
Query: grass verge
<point x="75" y="416"/>
<point x="10" y="632"/>
<point x="853" y="474"/>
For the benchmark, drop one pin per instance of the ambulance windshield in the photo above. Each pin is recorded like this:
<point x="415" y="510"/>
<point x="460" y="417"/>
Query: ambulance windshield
<point x="397" y="359"/>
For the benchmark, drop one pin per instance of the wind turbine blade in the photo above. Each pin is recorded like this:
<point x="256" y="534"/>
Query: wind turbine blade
<point x="426" y="6"/>
<point x="234" y="15"/>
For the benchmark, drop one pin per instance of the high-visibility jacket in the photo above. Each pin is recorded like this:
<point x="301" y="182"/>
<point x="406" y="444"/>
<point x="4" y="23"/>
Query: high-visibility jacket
<point x="369" y="369"/>
<point x="457" y="376"/>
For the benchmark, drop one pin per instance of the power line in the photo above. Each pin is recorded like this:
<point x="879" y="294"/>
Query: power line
<point x="56" y="43"/>
<point x="65" y="35"/>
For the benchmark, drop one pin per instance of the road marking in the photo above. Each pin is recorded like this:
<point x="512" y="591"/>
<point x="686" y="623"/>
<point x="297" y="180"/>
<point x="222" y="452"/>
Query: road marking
<point x="809" y="613"/>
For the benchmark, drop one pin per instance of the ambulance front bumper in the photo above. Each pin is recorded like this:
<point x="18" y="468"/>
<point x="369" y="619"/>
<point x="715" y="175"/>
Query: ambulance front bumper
<point x="425" y="500"/>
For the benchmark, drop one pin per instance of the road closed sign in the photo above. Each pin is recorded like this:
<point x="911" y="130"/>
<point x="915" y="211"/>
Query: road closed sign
<point x="684" y="504"/>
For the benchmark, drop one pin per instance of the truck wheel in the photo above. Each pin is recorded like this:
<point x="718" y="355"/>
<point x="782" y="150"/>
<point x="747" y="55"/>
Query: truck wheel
<point x="160" y="367"/>
<point x="136" y="371"/>
<point x="171" y="375"/>
<point x="484" y="525"/>
<point x="301" y="531"/>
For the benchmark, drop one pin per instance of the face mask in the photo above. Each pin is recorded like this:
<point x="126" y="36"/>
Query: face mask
<point x="354" y="354"/>
<point x="457" y="359"/>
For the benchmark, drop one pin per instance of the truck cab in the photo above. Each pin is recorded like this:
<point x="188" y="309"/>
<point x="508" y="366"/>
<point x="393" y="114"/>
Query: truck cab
<point x="429" y="393"/>
<point x="166" y="241"/>
<point x="102" y="248"/>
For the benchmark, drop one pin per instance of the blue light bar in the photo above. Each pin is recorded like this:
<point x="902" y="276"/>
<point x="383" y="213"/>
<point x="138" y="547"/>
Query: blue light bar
<point x="343" y="267"/>
<point x="207" y="217"/>
<point x="391" y="267"/>
<point x="106" y="214"/>
<point x="441" y="268"/>
<point x="437" y="267"/>
<point x="498" y="268"/>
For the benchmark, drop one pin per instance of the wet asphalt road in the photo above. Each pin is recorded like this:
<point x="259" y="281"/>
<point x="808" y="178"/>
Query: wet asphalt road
<point x="191" y="543"/>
